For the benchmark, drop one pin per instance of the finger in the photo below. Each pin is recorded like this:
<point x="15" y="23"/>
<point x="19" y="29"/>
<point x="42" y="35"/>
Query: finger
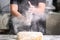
<point x="30" y="4"/>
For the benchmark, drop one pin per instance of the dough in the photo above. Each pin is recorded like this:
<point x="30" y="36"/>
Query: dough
<point x="29" y="36"/>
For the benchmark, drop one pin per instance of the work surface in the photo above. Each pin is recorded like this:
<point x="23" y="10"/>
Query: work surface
<point x="46" y="37"/>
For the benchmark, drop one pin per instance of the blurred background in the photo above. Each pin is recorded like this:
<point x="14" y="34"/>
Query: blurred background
<point x="52" y="19"/>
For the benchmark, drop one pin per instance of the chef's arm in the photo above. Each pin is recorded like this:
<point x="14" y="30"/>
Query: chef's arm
<point x="41" y="7"/>
<point x="14" y="10"/>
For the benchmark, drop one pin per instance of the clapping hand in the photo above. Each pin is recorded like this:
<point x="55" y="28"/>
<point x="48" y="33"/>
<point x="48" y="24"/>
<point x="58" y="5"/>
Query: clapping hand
<point x="32" y="8"/>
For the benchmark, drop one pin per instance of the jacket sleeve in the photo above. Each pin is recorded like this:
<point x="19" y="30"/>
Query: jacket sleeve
<point x="13" y="1"/>
<point x="43" y="1"/>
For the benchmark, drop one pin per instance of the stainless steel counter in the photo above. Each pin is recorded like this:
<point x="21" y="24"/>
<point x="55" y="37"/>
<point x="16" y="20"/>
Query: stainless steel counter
<point x="46" y="37"/>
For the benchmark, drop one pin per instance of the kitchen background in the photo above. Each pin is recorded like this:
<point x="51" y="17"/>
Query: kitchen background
<point x="52" y="19"/>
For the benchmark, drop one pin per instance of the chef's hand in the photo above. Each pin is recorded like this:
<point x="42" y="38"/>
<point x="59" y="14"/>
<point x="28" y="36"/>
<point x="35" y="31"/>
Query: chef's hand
<point x="32" y="8"/>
